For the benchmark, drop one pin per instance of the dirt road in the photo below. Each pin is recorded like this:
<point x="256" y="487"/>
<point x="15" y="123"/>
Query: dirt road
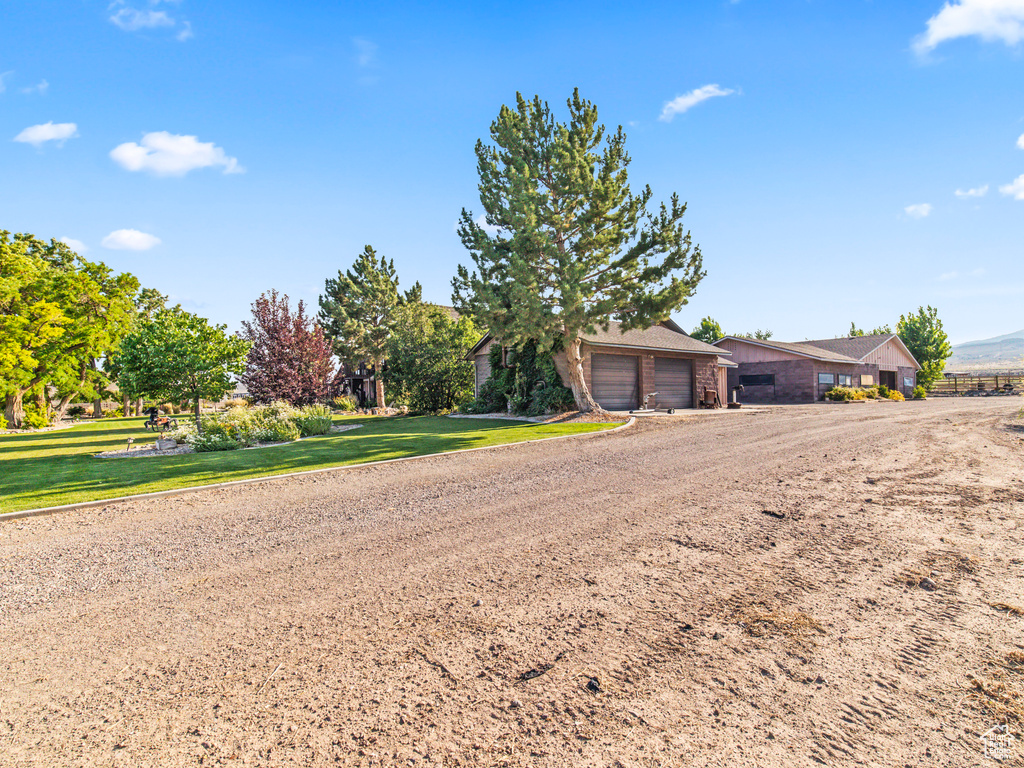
<point x="735" y="589"/>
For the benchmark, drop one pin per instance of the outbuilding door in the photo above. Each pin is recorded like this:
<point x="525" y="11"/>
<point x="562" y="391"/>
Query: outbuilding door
<point x="615" y="381"/>
<point x="673" y="381"/>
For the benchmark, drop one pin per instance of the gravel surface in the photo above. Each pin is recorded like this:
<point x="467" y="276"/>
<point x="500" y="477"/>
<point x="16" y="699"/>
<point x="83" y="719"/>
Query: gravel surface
<point x="731" y="590"/>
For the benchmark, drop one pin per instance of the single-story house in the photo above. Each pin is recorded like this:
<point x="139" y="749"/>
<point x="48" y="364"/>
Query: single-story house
<point x="783" y="372"/>
<point x="620" y="368"/>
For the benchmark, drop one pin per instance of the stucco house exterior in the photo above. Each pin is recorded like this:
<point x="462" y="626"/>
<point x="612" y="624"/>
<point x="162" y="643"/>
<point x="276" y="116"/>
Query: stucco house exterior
<point x="621" y="368"/>
<point x="784" y="372"/>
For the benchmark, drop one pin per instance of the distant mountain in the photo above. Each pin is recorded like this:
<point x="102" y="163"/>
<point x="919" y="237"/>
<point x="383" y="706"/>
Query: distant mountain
<point x="999" y="353"/>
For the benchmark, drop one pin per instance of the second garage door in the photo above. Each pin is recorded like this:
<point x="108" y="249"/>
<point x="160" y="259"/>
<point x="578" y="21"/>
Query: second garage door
<point x="673" y="381"/>
<point x="614" y="379"/>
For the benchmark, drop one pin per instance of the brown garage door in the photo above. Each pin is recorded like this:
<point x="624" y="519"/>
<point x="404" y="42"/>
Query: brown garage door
<point x="673" y="381"/>
<point x="614" y="379"/>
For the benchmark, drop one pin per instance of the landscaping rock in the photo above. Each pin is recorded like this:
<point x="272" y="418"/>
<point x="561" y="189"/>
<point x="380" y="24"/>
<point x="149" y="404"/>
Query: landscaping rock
<point x="928" y="584"/>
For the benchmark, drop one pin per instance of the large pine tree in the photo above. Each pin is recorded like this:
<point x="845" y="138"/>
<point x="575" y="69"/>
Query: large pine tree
<point x="564" y="245"/>
<point x="357" y="310"/>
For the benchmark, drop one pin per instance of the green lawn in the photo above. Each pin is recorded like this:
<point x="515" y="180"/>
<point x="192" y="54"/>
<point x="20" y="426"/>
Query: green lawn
<point x="46" y="469"/>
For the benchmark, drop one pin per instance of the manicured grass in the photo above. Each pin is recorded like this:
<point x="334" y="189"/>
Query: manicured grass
<point x="47" y="469"/>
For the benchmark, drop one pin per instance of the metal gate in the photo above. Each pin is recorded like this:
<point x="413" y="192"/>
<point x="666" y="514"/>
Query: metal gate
<point x="673" y="381"/>
<point x="614" y="381"/>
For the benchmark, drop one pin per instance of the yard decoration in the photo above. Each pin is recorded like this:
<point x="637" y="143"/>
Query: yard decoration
<point x="564" y="246"/>
<point x="178" y="356"/>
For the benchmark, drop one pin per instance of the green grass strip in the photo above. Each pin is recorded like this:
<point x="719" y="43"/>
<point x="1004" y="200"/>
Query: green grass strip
<point x="47" y="469"/>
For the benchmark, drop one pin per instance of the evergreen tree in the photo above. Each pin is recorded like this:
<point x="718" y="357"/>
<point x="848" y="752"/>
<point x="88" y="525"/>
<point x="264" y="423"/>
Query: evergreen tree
<point x="357" y="310"/>
<point x="923" y="335"/>
<point x="565" y="245"/>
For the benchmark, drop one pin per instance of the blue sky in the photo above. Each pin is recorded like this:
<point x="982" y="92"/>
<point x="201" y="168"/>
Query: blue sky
<point x="220" y="150"/>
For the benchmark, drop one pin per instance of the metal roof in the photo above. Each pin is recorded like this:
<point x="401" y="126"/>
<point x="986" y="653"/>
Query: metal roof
<point x="805" y="349"/>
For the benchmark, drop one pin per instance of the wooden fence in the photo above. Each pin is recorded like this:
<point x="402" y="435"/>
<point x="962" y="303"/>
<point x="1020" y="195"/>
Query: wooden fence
<point x="960" y="383"/>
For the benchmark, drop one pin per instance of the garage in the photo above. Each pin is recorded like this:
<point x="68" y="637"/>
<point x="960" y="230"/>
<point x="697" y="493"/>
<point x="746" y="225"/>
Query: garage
<point x="673" y="381"/>
<point x="615" y="381"/>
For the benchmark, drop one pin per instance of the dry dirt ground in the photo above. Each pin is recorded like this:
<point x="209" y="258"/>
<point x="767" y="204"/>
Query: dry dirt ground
<point x="739" y="589"/>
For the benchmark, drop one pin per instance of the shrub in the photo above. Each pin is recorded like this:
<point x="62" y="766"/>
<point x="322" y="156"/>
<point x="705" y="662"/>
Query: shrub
<point x="371" y="402"/>
<point x="166" y="408"/>
<point x="345" y="403"/>
<point x="212" y="441"/>
<point x="236" y="402"/>
<point x="896" y="395"/>
<point x="883" y="391"/>
<point x="3" y="422"/>
<point x="76" y="411"/>
<point x="313" y="420"/>
<point x="871" y="393"/>
<point x="840" y="394"/>
<point x="920" y="393"/>
<point x="35" y="419"/>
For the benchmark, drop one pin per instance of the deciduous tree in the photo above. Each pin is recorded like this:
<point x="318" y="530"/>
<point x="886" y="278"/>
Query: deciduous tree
<point x="709" y="331"/>
<point x="290" y="357"/>
<point x="179" y="356"/>
<point x="426" y="357"/>
<point x="564" y="245"/>
<point x="923" y="335"/>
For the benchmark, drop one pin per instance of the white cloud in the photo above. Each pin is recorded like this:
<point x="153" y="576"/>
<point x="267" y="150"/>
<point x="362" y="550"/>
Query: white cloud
<point x="976" y="192"/>
<point x="988" y="19"/>
<point x="185" y="33"/>
<point x="481" y="220"/>
<point x="169" y="154"/>
<point x="918" y="211"/>
<point x="41" y="88"/>
<point x="366" y="52"/>
<point x="37" y="135"/>
<point x="949" y="275"/>
<point x="130" y="240"/>
<point x="3" y="76"/>
<point x="680" y="104"/>
<point x="132" y="19"/>
<point x="1020" y="141"/>
<point x="1015" y="188"/>
<point x="75" y="245"/>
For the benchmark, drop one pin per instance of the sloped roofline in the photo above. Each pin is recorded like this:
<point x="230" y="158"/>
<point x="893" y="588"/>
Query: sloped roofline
<point x="902" y="346"/>
<point x="780" y="348"/>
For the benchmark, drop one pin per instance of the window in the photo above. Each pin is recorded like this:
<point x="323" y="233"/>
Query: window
<point x="908" y="382"/>
<point x="758" y="380"/>
<point x="867" y="380"/>
<point x="826" y="378"/>
<point x="845" y="380"/>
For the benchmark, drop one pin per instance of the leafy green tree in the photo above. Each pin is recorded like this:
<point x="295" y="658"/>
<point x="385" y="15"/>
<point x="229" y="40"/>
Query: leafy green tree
<point x="357" y="310"/>
<point x="565" y="245"/>
<point x="881" y="330"/>
<point x="58" y="312"/>
<point x="758" y="334"/>
<point x="426" y="365"/>
<point x="178" y="356"/>
<point x="709" y="331"/>
<point x="147" y="302"/>
<point x="855" y="331"/>
<point x="923" y="335"/>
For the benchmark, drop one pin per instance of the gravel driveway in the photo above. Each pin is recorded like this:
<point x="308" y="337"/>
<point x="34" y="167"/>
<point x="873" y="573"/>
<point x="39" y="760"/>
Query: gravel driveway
<point x="736" y="589"/>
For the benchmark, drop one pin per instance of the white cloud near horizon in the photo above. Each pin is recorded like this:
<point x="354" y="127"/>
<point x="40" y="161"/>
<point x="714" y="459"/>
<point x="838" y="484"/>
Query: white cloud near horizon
<point x="918" y="211"/>
<point x="132" y="19"/>
<point x="37" y="135"/>
<point x="75" y="245"/>
<point x="1015" y="188"/>
<point x="1020" y="141"/>
<point x="681" y="104"/>
<point x="976" y="192"/>
<point x="130" y="240"/>
<point x="168" y="154"/>
<point x="990" y="20"/>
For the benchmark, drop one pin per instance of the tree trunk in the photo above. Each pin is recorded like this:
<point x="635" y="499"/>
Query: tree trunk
<point x="138" y="407"/>
<point x="125" y="405"/>
<point x="199" y="413"/>
<point x="584" y="402"/>
<point x="62" y="407"/>
<point x="14" y="410"/>
<point x="378" y="367"/>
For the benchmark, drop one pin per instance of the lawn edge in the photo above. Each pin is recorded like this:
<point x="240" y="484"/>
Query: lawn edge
<point x="271" y="478"/>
